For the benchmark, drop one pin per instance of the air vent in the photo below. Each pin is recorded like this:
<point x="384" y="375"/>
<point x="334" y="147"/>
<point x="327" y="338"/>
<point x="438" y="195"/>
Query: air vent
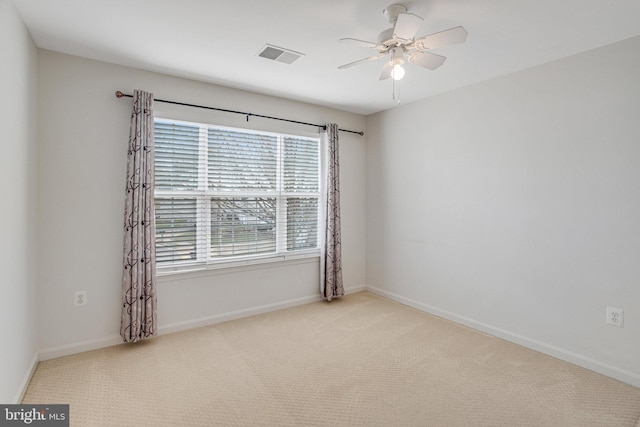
<point x="279" y="54"/>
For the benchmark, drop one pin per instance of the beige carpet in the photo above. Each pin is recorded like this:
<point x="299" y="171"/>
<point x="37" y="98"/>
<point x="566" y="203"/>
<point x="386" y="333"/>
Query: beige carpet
<point x="358" y="361"/>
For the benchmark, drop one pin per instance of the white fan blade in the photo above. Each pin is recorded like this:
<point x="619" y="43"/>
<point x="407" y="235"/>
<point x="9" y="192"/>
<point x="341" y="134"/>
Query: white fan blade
<point x="360" y="42"/>
<point x="407" y="26"/>
<point x="386" y="71"/>
<point x="359" y="61"/>
<point x="443" y="38"/>
<point x="427" y="60"/>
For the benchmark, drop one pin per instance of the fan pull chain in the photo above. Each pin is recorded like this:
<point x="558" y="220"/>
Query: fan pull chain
<point x="396" y="98"/>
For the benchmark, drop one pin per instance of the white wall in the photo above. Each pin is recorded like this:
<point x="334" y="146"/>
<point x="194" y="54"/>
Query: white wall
<point x="83" y="136"/>
<point x="17" y="217"/>
<point x="514" y="206"/>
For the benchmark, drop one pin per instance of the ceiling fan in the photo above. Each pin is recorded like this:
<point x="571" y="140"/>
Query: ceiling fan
<point x="398" y="43"/>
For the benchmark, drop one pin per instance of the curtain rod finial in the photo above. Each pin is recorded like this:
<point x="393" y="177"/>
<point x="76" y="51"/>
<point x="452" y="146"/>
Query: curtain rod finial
<point x="119" y="94"/>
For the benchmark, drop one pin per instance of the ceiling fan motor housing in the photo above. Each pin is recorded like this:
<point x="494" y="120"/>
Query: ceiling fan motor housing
<point x="385" y="40"/>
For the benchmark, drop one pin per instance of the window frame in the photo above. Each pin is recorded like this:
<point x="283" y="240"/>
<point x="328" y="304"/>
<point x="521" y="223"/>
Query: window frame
<point x="203" y="195"/>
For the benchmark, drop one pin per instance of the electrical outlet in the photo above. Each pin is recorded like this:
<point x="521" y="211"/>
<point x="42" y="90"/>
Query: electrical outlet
<point x="80" y="298"/>
<point x="615" y="316"/>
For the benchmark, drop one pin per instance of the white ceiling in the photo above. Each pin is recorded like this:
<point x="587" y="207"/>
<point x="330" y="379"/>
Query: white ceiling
<point x="218" y="41"/>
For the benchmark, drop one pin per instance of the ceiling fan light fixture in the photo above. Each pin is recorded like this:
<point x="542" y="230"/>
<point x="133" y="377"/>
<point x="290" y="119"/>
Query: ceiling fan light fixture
<point x="397" y="73"/>
<point x="397" y="59"/>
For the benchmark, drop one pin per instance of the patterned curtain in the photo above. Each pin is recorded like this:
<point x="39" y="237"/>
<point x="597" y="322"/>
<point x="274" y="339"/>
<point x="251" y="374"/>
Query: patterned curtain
<point x="139" y="274"/>
<point x="331" y="285"/>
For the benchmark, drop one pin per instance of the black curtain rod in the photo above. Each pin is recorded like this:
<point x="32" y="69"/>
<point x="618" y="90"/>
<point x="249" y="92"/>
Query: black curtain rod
<point x="121" y="94"/>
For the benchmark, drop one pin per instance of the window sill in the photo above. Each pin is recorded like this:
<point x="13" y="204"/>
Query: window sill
<point x="170" y="274"/>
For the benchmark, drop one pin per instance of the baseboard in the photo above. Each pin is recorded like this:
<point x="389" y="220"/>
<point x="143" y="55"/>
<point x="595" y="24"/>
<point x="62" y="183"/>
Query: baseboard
<point x="81" y="347"/>
<point x="237" y="314"/>
<point x="619" y="374"/>
<point x="26" y="380"/>
<point x="355" y="289"/>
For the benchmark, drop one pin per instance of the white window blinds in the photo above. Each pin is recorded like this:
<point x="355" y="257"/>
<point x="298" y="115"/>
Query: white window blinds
<point x="177" y="154"/>
<point x="230" y="194"/>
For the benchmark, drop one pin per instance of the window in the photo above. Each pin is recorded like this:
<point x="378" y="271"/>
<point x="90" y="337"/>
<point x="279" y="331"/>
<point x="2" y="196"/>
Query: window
<point x="224" y="194"/>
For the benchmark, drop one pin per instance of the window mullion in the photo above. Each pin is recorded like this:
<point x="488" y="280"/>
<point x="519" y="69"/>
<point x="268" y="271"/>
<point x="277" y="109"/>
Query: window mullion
<point x="202" y="227"/>
<point x="204" y="209"/>
<point x="281" y="200"/>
